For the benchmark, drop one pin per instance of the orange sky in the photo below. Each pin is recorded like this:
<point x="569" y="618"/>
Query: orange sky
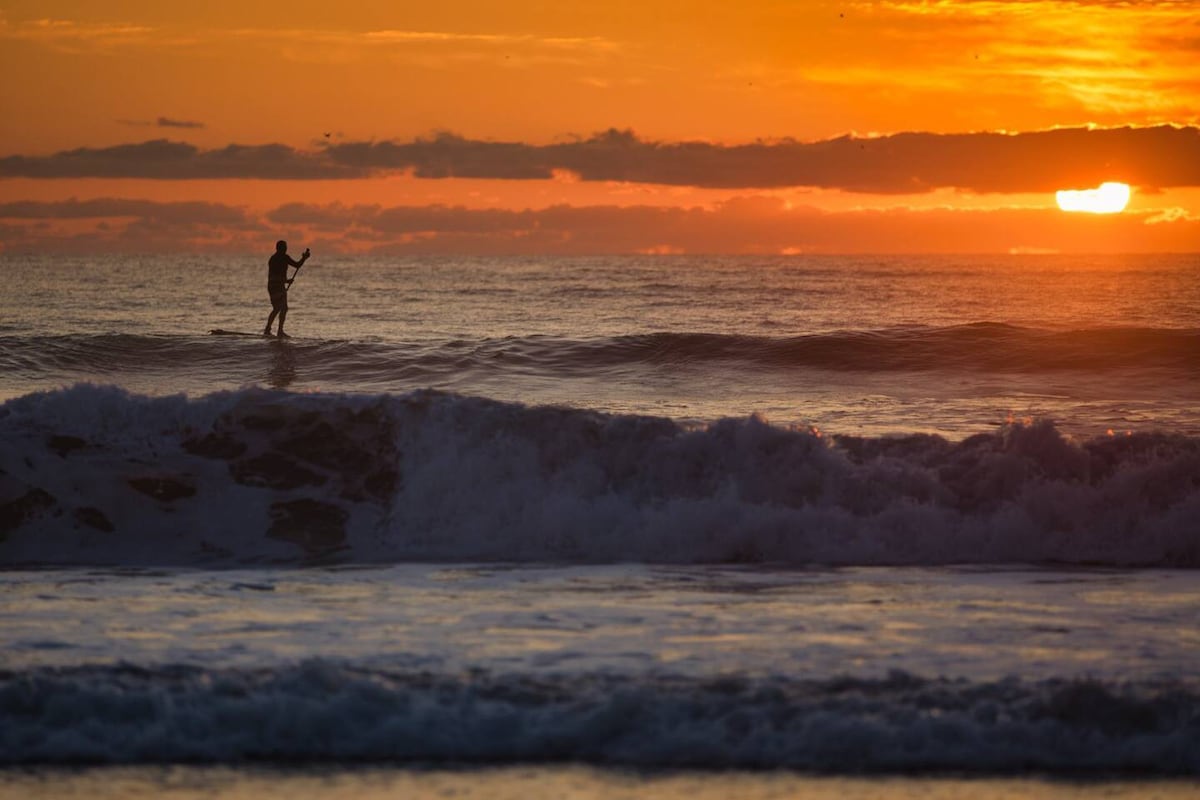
<point x="687" y="88"/>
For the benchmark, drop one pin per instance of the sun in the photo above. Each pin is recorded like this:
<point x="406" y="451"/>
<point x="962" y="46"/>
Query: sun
<point x="1108" y="198"/>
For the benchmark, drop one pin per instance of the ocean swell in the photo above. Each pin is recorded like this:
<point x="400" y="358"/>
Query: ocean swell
<point x="974" y="348"/>
<point x="92" y="475"/>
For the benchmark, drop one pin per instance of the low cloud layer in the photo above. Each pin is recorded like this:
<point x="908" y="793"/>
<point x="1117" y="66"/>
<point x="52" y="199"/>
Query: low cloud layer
<point x="166" y="160"/>
<point x="904" y="163"/>
<point x="189" y="212"/>
<point x="761" y="225"/>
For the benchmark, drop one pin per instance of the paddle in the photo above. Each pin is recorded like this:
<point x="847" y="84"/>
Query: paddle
<point x="305" y="254"/>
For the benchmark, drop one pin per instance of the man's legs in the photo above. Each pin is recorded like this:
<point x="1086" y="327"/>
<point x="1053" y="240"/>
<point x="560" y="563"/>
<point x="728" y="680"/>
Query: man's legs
<point x="278" y="308"/>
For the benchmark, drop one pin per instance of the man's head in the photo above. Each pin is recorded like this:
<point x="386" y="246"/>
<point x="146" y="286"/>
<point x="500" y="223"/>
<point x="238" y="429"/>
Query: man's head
<point x="281" y="246"/>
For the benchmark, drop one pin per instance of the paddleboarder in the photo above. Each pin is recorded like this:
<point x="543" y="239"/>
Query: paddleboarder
<point x="278" y="283"/>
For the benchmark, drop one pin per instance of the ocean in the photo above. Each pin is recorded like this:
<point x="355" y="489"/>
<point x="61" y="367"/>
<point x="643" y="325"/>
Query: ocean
<point x="643" y="526"/>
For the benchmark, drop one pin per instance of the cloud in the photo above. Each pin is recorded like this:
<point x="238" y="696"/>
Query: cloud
<point x="903" y="163"/>
<point x="167" y="122"/>
<point x="1076" y="60"/>
<point x="189" y="212"/>
<point x="73" y="37"/>
<point x="166" y="160"/>
<point x="127" y="225"/>
<point x="750" y="224"/>
<point x="431" y="48"/>
<point x="435" y="49"/>
<point x="162" y="122"/>
<point x="742" y="225"/>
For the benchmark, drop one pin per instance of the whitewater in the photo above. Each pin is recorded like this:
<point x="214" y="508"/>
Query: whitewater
<point x="829" y="515"/>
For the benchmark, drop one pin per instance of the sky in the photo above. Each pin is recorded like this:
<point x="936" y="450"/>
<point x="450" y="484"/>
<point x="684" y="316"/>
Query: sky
<point x="652" y="126"/>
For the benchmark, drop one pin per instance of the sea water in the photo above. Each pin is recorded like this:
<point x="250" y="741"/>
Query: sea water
<point x="586" y="526"/>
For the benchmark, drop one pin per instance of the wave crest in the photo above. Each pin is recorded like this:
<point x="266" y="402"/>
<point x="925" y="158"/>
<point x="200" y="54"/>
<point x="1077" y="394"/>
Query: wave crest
<point x="326" y="711"/>
<point x="91" y="475"/>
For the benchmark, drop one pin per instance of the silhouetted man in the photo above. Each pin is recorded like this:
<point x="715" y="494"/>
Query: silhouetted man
<point x="278" y="283"/>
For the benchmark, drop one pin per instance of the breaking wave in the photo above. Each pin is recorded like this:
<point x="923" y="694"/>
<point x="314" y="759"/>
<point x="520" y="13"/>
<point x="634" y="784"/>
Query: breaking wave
<point x="327" y="711"/>
<point x="93" y="475"/>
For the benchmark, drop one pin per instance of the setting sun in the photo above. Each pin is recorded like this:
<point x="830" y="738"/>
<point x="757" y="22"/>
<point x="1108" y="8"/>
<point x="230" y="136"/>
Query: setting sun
<point x="1108" y="198"/>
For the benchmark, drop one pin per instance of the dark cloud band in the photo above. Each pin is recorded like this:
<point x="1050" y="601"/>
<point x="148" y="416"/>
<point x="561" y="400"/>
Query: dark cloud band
<point x="192" y="212"/>
<point x="739" y="225"/>
<point x="905" y="163"/>
<point x="166" y="160"/>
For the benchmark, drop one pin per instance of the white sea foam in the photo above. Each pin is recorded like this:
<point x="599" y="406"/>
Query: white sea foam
<point x="92" y="475"/>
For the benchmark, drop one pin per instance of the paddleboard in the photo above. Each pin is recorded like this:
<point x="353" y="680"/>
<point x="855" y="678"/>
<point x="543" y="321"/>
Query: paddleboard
<point x="267" y="336"/>
<point x="223" y="332"/>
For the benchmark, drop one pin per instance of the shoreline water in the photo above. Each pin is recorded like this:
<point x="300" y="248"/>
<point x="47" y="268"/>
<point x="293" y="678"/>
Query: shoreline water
<point x="552" y="782"/>
<point x="855" y="671"/>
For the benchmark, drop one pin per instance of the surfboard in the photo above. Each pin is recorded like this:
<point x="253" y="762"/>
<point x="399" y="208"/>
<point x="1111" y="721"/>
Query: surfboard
<point x="223" y="332"/>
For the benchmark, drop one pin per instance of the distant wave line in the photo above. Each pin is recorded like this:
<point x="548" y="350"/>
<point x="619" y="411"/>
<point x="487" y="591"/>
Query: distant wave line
<point x="979" y="347"/>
